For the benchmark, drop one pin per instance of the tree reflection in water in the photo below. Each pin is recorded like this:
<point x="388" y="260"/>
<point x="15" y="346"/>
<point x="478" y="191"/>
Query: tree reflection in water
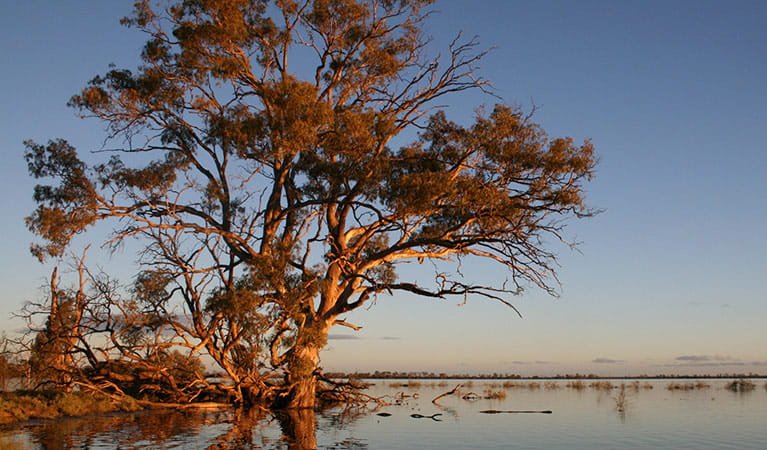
<point x="247" y="430"/>
<point x="126" y="431"/>
<point x="214" y="430"/>
<point x="299" y="428"/>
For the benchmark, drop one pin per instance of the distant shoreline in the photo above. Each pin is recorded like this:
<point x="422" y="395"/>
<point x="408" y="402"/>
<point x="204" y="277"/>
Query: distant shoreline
<point x="432" y="376"/>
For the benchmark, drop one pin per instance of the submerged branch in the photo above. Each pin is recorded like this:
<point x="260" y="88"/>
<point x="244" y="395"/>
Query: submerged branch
<point x="448" y="393"/>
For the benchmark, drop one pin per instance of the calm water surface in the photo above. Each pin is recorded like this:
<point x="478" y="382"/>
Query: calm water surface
<point x="709" y="417"/>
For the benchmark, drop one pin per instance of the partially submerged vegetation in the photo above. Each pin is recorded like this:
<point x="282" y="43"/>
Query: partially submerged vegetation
<point x="636" y="385"/>
<point x="410" y="384"/>
<point x="687" y="386"/>
<point x="621" y="399"/>
<point x="578" y="385"/>
<point x="20" y="406"/>
<point x="490" y="394"/>
<point x="741" y="385"/>
<point x="602" y="385"/>
<point x="24" y="405"/>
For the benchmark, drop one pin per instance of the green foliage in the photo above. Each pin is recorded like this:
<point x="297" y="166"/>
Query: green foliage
<point x="243" y="305"/>
<point x="151" y="288"/>
<point x="183" y="367"/>
<point x="63" y="210"/>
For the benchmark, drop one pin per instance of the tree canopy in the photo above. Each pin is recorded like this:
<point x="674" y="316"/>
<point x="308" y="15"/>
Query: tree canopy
<point x="257" y="154"/>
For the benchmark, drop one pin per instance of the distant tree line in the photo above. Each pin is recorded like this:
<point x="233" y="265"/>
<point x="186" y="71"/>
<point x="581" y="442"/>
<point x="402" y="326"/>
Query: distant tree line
<point x="415" y="375"/>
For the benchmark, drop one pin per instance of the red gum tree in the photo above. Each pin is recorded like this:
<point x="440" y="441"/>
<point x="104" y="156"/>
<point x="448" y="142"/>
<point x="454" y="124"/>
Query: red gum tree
<point x="277" y="203"/>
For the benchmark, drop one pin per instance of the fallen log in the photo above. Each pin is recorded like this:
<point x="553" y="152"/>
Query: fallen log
<point x="496" y="411"/>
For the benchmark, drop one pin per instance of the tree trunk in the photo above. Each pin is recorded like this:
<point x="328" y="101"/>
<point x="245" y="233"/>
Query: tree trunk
<point x="303" y="363"/>
<point x="302" y="379"/>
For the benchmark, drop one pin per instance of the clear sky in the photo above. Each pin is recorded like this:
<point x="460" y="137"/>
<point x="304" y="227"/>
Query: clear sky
<point x="670" y="278"/>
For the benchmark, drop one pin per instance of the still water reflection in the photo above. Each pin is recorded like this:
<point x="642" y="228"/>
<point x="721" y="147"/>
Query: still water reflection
<point x="653" y="416"/>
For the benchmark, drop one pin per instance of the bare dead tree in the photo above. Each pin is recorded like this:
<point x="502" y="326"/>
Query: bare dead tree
<point x="91" y="336"/>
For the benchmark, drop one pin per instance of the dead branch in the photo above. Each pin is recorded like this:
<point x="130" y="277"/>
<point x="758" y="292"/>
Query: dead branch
<point x="451" y="392"/>
<point x="435" y="417"/>
<point x="347" y="392"/>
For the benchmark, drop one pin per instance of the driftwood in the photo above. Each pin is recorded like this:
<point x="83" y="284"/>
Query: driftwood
<point x="496" y="411"/>
<point x="434" y="417"/>
<point x="455" y="389"/>
<point x="120" y="396"/>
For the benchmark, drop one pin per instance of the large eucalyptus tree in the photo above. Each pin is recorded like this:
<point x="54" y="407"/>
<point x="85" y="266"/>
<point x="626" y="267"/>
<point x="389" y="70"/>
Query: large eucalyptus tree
<point x="258" y="154"/>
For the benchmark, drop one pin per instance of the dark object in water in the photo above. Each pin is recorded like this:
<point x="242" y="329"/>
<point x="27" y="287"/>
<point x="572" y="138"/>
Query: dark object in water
<point x="434" y="417"/>
<point x="471" y="396"/>
<point x="383" y="414"/>
<point x="496" y="411"/>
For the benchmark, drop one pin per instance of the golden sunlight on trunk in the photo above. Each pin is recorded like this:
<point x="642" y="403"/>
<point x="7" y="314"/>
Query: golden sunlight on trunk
<point x="299" y="428"/>
<point x="303" y="363"/>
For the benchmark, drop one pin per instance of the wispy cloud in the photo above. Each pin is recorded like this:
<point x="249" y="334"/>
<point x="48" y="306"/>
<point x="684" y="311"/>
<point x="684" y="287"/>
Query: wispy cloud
<point x="692" y="358"/>
<point x="710" y="361"/>
<point x="606" y="361"/>
<point x="343" y="337"/>
<point x="704" y="358"/>
<point x="390" y="338"/>
<point x="708" y="364"/>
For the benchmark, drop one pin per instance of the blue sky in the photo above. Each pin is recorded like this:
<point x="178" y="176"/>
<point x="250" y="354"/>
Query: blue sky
<point x="668" y="279"/>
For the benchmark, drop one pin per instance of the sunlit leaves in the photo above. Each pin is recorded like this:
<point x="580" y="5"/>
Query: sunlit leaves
<point x="152" y="288"/>
<point x="155" y="178"/>
<point x="211" y="34"/>
<point x="64" y="209"/>
<point x="498" y="179"/>
<point x="294" y="118"/>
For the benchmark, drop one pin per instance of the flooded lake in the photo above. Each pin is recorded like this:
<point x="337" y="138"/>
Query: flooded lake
<point x="582" y="416"/>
